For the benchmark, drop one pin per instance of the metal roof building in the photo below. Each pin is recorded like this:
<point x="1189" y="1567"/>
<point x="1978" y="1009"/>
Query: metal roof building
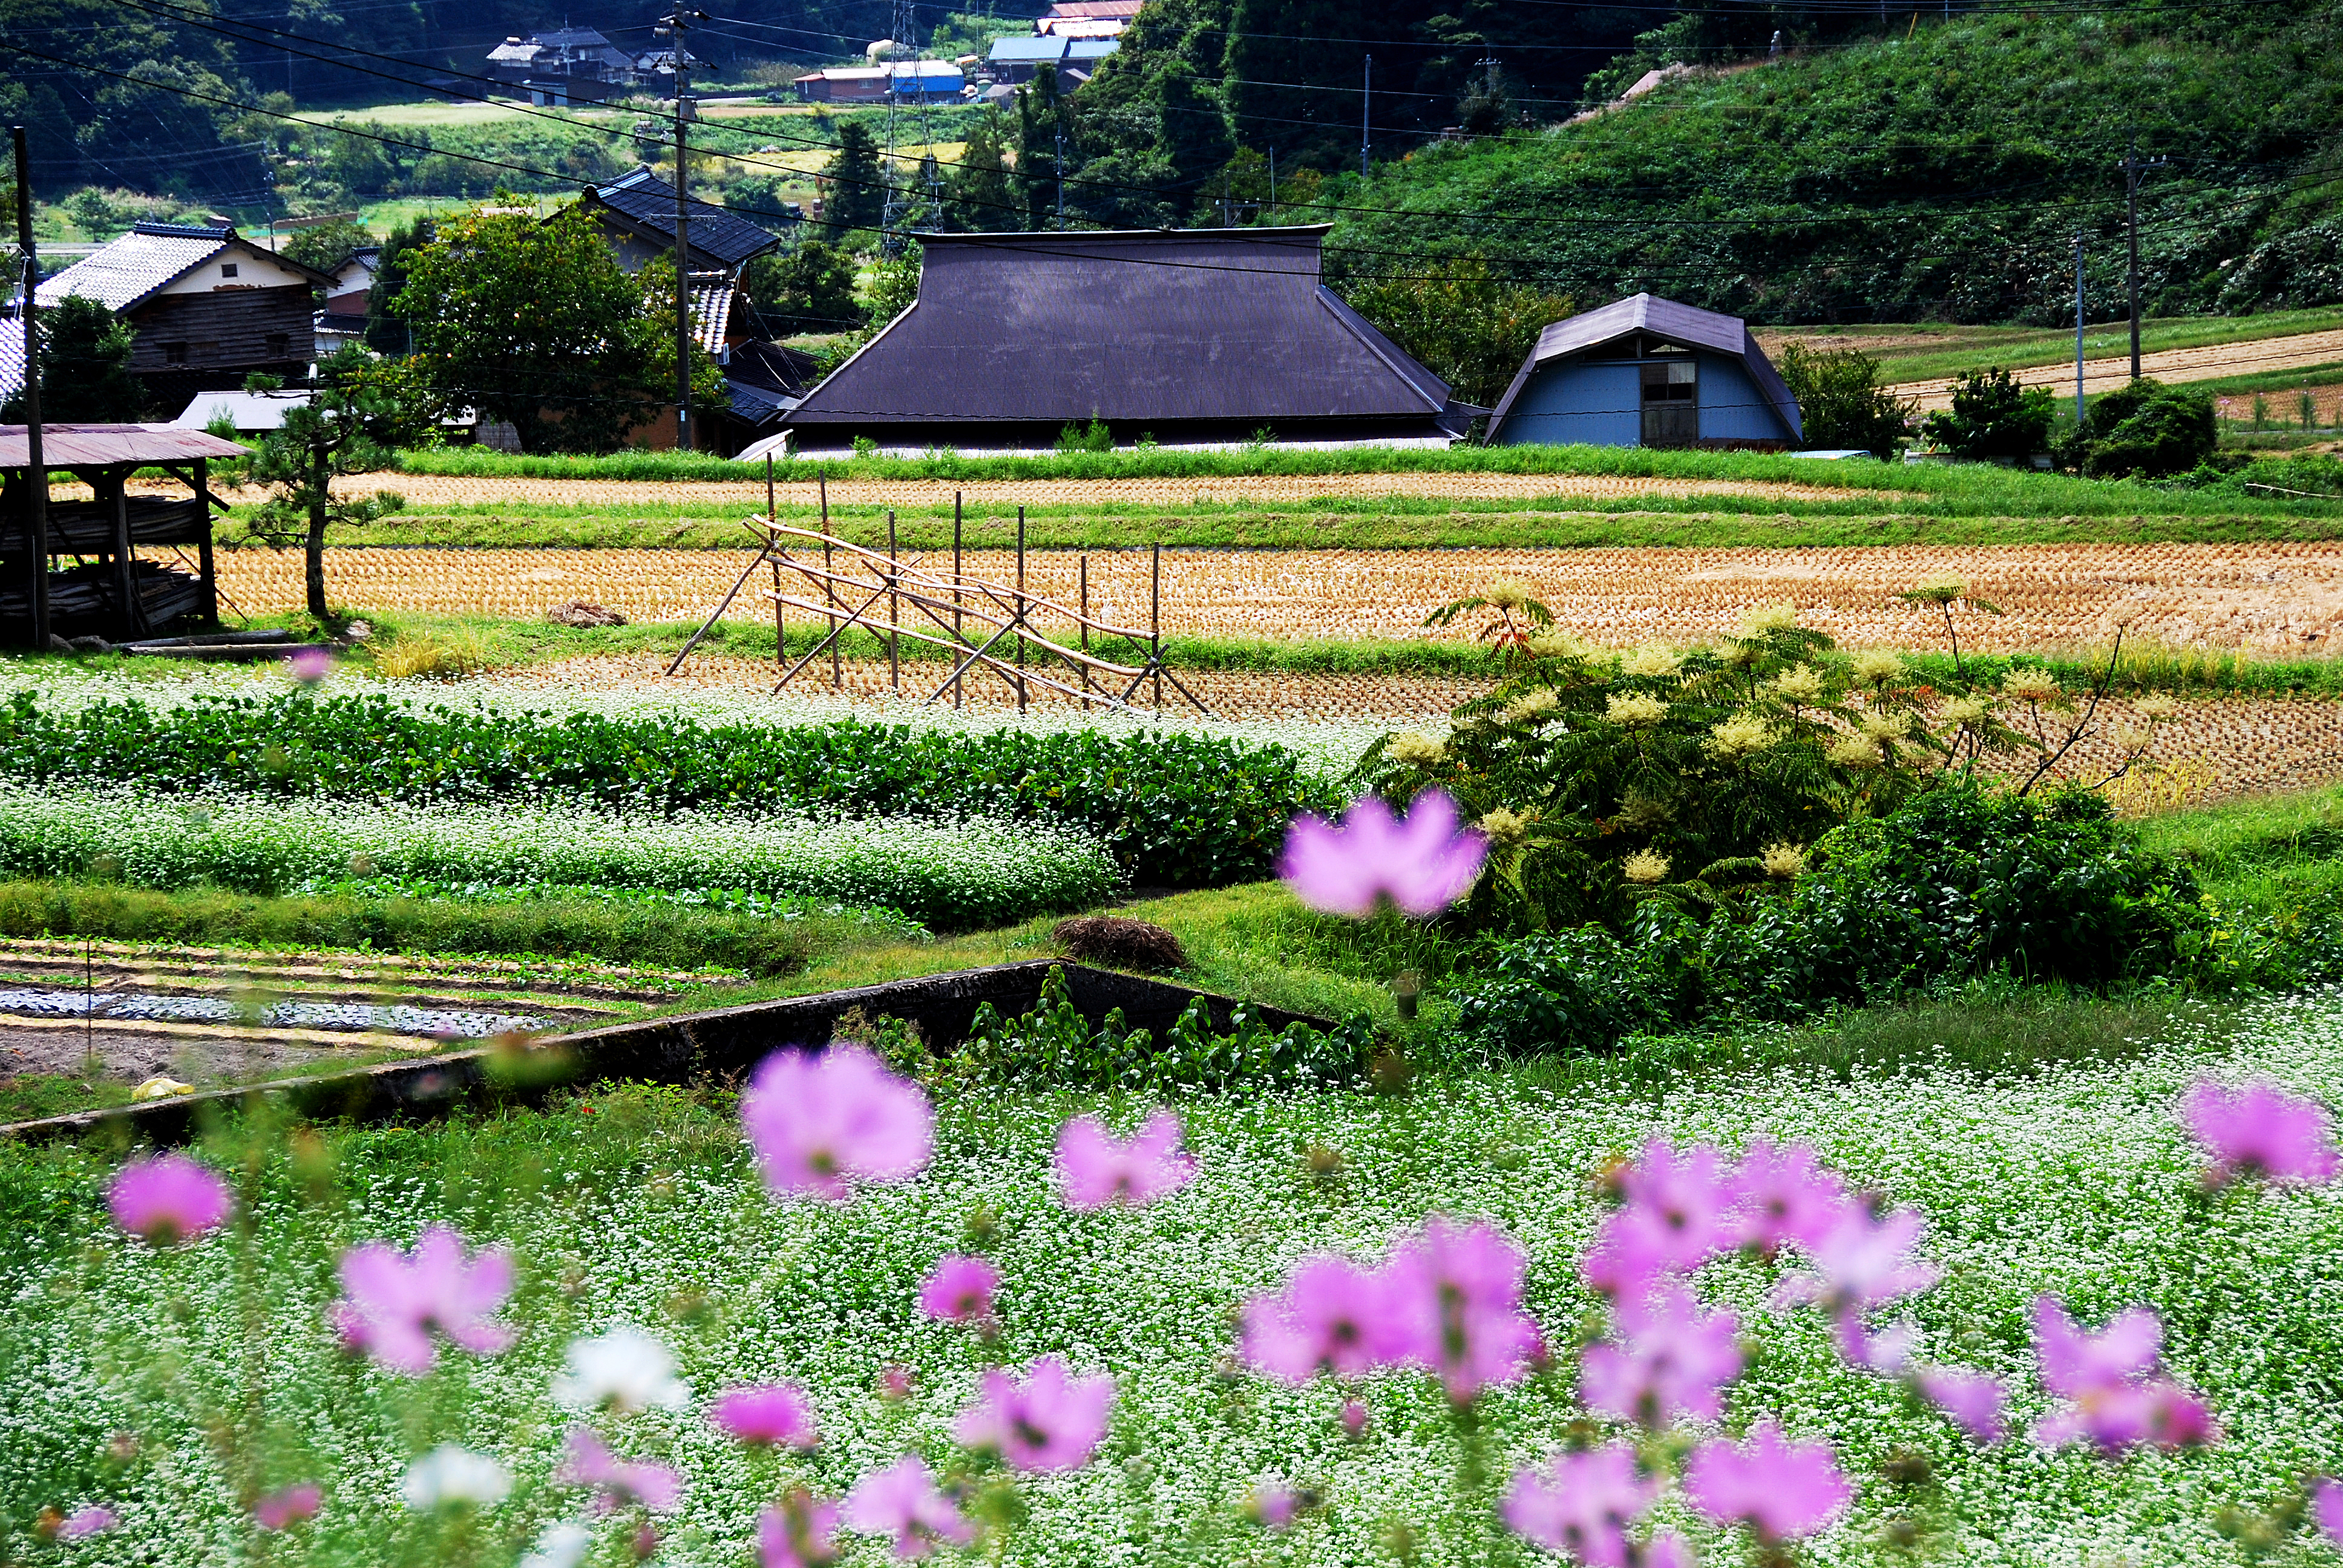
<point x="1195" y="335"/>
<point x="1647" y="372"/>
<point x="639" y="212"/>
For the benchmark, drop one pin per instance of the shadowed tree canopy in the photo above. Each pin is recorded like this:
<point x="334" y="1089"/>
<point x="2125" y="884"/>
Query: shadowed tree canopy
<point x="84" y="367"/>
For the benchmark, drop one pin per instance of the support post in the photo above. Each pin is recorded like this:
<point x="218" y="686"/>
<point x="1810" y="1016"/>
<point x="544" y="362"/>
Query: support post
<point x="125" y="577"/>
<point x="1020" y="609"/>
<point x="894" y="614"/>
<point x="958" y="635"/>
<point x="769" y="490"/>
<point x="830" y="589"/>
<point x="1366" y="96"/>
<point x="36" y="472"/>
<point x="2078" y="330"/>
<point x="780" y="615"/>
<point x="203" y="563"/>
<point x="1085" y="571"/>
<point x="677" y="22"/>
<point x="1155" y="623"/>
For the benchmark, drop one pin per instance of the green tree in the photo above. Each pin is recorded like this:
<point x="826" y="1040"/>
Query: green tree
<point x="854" y="190"/>
<point x="361" y="411"/>
<point x="2146" y="427"/>
<point x="808" y="288"/>
<point x="977" y="195"/>
<point x="1043" y="120"/>
<point x="1460" y="320"/>
<point x="894" y="286"/>
<point x="387" y="332"/>
<point x="1992" y="416"/>
<point x="326" y="245"/>
<point x="1841" y="402"/>
<point x="84" y="367"/>
<point x="534" y="322"/>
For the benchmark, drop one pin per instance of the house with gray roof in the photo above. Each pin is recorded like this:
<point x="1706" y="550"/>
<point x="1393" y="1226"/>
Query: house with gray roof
<point x="637" y="212"/>
<point x="1647" y="372"/>
<point x="1189" y="335"/>
<point x="208" y="306"/>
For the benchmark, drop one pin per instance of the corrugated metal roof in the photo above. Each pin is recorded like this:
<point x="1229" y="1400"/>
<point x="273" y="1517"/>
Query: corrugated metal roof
<point x="1161" y="326"/>
<point x="1678" y="323"/>
<point x="644" y="198"/>
<point x="148" y="257"/>
<point x="246" y="410"/>
<point x="1027" y="51"/>
<point x="100" y="445"/>
<point x="1124" y="9"/>
<point x="1092" y="48"/>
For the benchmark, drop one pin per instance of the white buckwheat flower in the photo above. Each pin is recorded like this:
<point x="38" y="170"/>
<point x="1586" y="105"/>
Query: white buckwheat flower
<point x="625" y="1370"/>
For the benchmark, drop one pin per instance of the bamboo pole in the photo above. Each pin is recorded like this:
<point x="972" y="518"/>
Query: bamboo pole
<point x="894" y="614"/>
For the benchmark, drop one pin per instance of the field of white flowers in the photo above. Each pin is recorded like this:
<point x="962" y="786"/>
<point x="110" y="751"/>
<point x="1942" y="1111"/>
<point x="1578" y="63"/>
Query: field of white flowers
<point x="948" y="875"/>
<point x="2075" y="1179"/>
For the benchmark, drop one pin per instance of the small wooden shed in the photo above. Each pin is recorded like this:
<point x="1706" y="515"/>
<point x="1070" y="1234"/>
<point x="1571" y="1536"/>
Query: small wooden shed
<point x="1647" y="372"/>
<point x="119" y="565"/>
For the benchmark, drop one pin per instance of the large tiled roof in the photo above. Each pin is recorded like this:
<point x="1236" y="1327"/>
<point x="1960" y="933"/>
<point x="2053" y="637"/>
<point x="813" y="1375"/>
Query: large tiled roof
<point x="12" y="356"/>
<point x="148" y="257"/>
<point x="1148" y="326"/>
<point x="712" y="297"/>
<point x="649" y="202"/>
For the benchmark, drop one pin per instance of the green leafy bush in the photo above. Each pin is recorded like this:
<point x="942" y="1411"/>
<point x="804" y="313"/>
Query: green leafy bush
<point x="1992" y="416"/>
<point x="1054" y="1046"/>
<point x="1176" y="810"/>
<point x="1842" y="400"/>
<point x="1960" y="881"/>
<point x="2146" y="427"/>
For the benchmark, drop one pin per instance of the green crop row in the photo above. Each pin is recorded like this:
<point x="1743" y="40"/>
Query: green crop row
<point x="1174" y="809"/>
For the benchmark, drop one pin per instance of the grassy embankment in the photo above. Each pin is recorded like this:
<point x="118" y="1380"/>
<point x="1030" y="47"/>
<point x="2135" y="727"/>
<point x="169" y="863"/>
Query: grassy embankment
<point x="1924" y="351"/>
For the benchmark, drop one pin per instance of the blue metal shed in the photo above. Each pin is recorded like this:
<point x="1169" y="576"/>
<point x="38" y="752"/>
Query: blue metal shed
<point x="1647" y="372"/>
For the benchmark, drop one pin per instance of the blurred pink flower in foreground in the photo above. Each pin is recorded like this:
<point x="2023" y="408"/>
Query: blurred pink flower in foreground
<point x="1864" y="1262"/>
<point x="2114" y="1402"/>
<point x="818" y="1119"/>
<point x="393" y="1302"/>
<point x="1094" y="1169"/>
<point x="775" y="1414"/>
<point x="1781" y="1490"/>
<point x="1355" y="1417"/>
<point x="87" y="1522"/>
<point x="1050" y="1421"/>
<point x="167" y="1198"/>
<point x="1460" y="1288"/>
<point x="959" y="1290"/>
<point x="2260" y="1129"/>
<point x="287" y="1504"/>
<point x="800" y="1530"/>
<point x="310" y="665"/>
<point x="1972" y="1400"/>
<point x="902" y="1502"/>
<point x="587" y="1461"/>
<point x="1331" y="1316"/>
<point x="1582" y="1504"/>
<point x="1422" y="864"/>
<point x="1786" y="1196"/>
<point x="2327" y="1508"/>
<point x="1273" y="1505"/>
<point x="1672" y="1363"/>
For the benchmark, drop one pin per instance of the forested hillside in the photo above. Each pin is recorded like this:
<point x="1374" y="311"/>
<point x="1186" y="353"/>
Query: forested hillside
<point x="1941" y="172"/>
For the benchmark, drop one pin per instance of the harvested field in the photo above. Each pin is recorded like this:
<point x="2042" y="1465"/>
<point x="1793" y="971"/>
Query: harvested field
<point x="2205" y="364"/>
<point x="425" y="491"/>
<point x="2270" y="598"/>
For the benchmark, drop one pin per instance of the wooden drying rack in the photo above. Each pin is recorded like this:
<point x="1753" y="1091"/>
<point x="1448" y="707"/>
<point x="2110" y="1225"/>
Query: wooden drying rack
<point x="972" y="617"/>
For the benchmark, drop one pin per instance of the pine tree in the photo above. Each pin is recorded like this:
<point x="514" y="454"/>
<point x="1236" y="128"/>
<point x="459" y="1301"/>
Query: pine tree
<point x="978" y="199"/>
<point x="854" y="191"/>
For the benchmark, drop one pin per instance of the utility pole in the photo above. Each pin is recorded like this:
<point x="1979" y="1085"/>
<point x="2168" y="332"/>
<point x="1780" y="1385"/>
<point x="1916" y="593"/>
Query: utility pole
<point x="36" y="473"/>
<point x="1366" y="96"/>
<point x="2078" y="329"/>
<point x="674" y="26"/>
<point x="1058" y="168"/>
<point x="1273" y="182"/>
<point x="2131" y="168"/>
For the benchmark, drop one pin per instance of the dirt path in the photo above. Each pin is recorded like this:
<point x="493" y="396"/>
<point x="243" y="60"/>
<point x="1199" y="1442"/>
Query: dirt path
<point x="2204" y="364"/>
<point x="423" y="492"/>
<point x="2269" y="599"/>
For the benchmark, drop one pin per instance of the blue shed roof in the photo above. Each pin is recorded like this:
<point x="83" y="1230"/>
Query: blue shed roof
<point x="1027" y="51"/>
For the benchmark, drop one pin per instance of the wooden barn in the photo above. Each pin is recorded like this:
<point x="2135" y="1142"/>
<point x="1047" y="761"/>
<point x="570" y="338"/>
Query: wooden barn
<point x="1647" y="372"/>
<point x="119" y="565"/>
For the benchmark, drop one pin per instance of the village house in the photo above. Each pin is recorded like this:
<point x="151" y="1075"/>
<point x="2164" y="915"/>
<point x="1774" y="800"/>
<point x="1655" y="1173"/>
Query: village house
<point x="1647" y="372"/>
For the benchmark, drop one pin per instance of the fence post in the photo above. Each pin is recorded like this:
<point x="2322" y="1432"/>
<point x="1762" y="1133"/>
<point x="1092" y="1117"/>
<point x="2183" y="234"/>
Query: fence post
<point x="894" y="617"/>
<point x="1020" y="609"/>
<point x="1155" y="624"/>
<point x="957" y="635"/>
<point x="830" y="589"/>
<point x="1086" y="618"/>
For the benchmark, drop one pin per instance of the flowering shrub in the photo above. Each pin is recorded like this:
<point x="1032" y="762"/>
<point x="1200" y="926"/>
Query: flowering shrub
<point x="1176" y="809"/>
<point x="1652" y="1431"/>
<point x="950" y="875"/>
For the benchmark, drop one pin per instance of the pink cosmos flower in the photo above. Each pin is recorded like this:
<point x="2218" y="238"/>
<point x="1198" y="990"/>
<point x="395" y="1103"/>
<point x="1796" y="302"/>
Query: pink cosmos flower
<point x="902" y="1502"/>
<point x="1786" y="1196"/>
<point x="1094" y="1171"/>
<point x="83" y="1522"/>
<point x="1888" y="1351"/>
<point x="1423" y="865"/>
<point x="1332" y="1316"/>
<point x="310" y="666"/>
<point x="2327" y="1508"/>
<point x="2114" y="1402"/>
<point x="1050" y="1421"/>
<point x="285" y="1506"/>
<point x="1273" y="1505"/>
<point x="774" y="1414"/>
<point x="1781" y="1490"/>
<point x="895" y="1383"/>
<point x="2260" y="1130"/>
<point x="167" y="1198"/>
<point x="818" y="1119"/>
<point x="1459" y="1288"/>
<point x="589" y="1462"/>
<point x="1581" y="1503"/>
<point x="1972" y="1400"/>
<point x="799" y="1531"/>
<point x="1354" y="1418"/>
<point x="1667" y="1549"/>
<point x="1864" y="1262"/>
<point x="393" y="1302"/>
<point x="1673" y="1363"/>
<point x="959" y="1290"/>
